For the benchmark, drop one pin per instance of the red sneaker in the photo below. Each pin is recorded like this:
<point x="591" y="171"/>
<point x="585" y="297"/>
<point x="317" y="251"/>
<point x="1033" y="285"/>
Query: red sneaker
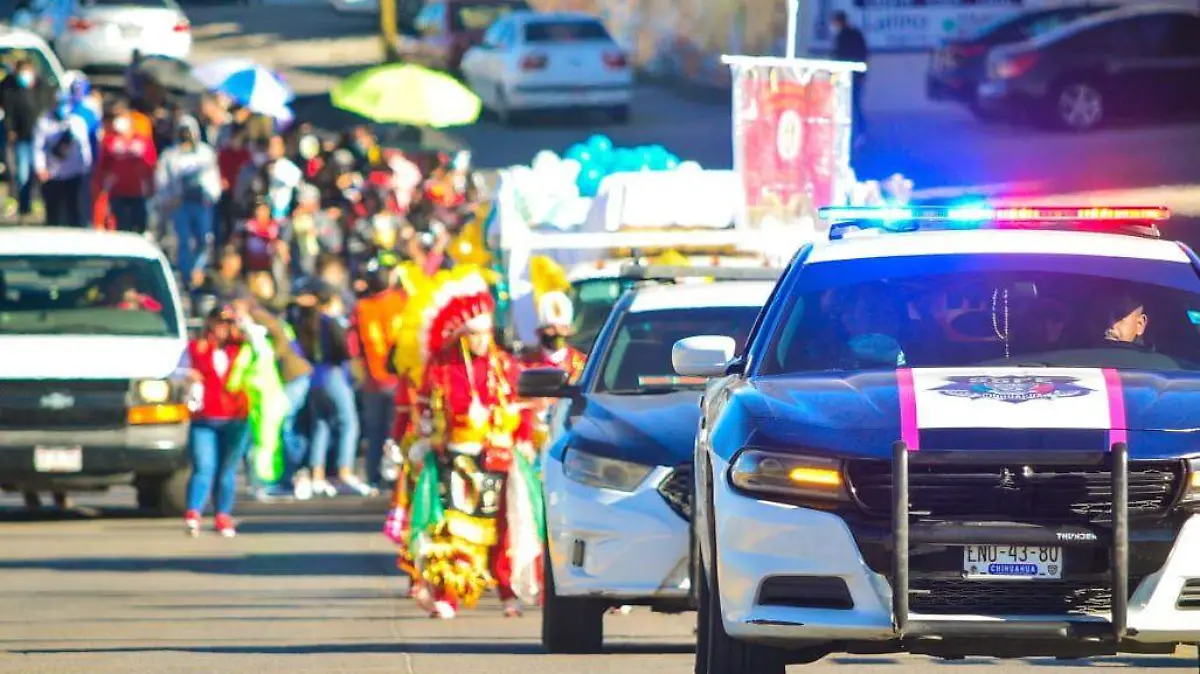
<point x="225" y="525"/>
<point x="191" y="523"/>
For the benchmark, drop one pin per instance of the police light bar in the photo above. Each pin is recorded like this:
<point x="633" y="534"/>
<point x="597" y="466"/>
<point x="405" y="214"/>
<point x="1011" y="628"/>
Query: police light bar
<point x="1135" y="220"/>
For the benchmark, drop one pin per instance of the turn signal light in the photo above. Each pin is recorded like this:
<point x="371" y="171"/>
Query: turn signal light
<point x="78" y="25"/>
<point x="533" y="62"/>
<point x="615" y="60"/>
<point x="1016" y="66"/>
<point x="822" y="477"/>
<point x="147" y="415"/>
<point x="183" y="26"/>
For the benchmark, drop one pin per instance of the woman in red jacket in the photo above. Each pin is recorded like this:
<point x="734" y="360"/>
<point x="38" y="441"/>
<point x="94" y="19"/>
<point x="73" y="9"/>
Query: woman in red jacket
<point x="218" y="432"/>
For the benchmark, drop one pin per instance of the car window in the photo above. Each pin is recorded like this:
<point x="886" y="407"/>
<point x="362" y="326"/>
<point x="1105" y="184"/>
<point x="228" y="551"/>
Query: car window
<point x="472" y="17"/>
<point x="998" y="310"/>
<point x="583" y="30"/>
<point x="639" y="356"/>
<point x="593" y="301"/>
<point x="1185" y="37"/>
<point x="494" y="37"/>
<point x="143" y="4"/>
<point x="77" y="295"/>
<point x="431" y="20"/>
<point x="9" y="56"/>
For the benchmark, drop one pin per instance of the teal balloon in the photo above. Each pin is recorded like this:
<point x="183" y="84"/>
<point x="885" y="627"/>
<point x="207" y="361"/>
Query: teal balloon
<point x="580" y="153"/>
<point x="627" y="160"/>
<point x="603" y="159"/>
<point x="589" y="181"/>
<point x="600" y="143"/>
<point x="671" y="163"/>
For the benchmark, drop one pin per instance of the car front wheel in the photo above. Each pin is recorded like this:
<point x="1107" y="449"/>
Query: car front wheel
<point x="165" y="495"/>
<point x="1078" y="106"/>
<point x="573" y="625"/>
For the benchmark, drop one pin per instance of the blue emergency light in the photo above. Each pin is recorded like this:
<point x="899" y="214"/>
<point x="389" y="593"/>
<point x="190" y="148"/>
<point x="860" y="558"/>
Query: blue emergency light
<point x="1136" y="220"/>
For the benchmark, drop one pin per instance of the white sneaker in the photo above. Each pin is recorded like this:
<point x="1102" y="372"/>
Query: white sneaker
<point x="358" y="487"/>
<point x="323" y="488"/>
<point x="443" y="610"/>
<point x="512" y="608"/>
<point x="303" y="487"/>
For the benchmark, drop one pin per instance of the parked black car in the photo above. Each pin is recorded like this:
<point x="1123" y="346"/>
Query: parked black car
<point x="1140" y="60"/>
<point x="957" y="68"/>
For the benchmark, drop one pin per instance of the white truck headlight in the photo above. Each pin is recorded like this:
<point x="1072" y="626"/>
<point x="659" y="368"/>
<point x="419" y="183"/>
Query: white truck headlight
<point x="1191" y="488"/>
<point x="799" y="476"/>
<point x="604" y="473"/>
<point x="154" y="391"/>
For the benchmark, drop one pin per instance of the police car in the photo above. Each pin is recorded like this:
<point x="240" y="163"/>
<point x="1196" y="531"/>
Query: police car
<point x="959" y="431"/>
<point x="618" y="471"/>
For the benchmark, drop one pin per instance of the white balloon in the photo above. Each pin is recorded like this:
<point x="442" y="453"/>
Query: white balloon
<point x="545" y="163"/>
<point x="689" y="167"/>
<point x="570" y="169"/>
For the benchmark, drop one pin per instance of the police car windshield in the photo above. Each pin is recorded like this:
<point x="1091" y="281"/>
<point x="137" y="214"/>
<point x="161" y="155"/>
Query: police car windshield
<point x="639" y="358"/>
<point x="999" y="310"/>
<point x="80" y="295"/>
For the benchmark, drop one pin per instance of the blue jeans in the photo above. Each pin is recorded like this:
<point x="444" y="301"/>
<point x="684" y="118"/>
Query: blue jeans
<point x="130" y="213"/>
<point x="378" y="415"/>
<point x="334" y="406"/>
<point x="295" y="445"/>
<point x="193" y="227"/>
<point x="216" y="448"/>
<point x="23" y="158"/>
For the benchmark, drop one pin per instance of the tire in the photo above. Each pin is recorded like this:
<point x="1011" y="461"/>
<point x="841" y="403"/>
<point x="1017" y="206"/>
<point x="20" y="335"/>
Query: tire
<point x="620" y="114"/>
<point x="1077" y="105"/>
<point x="702" y="605"/>
<point x="722" y="654"/>
<point x="166" y="496"/>
<point x="570" y="625"/>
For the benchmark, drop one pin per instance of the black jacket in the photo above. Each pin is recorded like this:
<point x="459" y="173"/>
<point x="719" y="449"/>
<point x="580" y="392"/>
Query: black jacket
<point x="850" y="45"/>
<point x="23" y="107"/>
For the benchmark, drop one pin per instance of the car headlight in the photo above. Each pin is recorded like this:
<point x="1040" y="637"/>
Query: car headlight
<point x="1191" y="489"/>
<point x="604" y="473"/>
<point x="808" y="477"/>
<point x="153" y="391"/>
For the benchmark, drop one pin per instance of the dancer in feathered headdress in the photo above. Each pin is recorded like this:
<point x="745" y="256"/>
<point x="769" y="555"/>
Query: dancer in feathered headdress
<point x="473" y="510"/>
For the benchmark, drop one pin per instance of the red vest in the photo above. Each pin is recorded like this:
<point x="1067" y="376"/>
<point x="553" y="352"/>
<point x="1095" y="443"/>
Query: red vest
<point x="219" y="403"/>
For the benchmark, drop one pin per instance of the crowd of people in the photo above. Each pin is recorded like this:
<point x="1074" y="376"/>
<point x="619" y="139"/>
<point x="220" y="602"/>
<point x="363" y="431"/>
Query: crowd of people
<point x="337" y="324"/>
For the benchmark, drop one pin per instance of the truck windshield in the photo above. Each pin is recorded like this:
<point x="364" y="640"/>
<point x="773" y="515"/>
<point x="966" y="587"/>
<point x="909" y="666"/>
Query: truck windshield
<point x="81" y="295"/>
<point x="639" y="359"/>
<point x="989" y="311"/>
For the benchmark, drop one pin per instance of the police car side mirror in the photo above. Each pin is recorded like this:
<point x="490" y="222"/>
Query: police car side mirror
<point x="545" y="382"/>
<point x="703" y="355"/>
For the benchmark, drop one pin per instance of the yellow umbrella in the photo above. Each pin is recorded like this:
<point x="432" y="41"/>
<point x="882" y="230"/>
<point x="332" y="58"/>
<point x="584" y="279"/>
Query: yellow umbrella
<point x="400" y="93"/>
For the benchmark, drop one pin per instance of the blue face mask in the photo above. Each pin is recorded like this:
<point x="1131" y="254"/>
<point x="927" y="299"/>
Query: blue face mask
<point x="25" y="80"/>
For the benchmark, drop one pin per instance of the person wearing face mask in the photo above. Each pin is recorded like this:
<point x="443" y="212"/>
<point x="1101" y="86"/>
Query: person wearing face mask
<point x="555" y="316"/>
<point x="473" y="425"/>
<point x="125" y="171"/>
<point x="62" y="159"/>
<point x="189" y="186"/>
<point x="25" y="100"/>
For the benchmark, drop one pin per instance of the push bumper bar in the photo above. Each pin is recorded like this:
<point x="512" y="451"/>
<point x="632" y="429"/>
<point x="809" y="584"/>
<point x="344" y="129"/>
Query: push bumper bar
<point x="906" y="532"/>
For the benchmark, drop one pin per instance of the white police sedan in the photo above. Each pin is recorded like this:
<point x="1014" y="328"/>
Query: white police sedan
<point x="618" y="476"/>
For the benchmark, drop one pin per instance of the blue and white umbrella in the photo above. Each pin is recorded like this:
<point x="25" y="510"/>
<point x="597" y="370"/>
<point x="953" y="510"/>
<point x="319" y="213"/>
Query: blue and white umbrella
<point x="248" y="83"/>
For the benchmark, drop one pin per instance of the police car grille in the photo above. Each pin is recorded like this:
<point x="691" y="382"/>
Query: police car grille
<point x="42" y="405"/>
<point x="1051" y="493"/>
<point x="1049" y="598"/>
<point x="676" y="490"/>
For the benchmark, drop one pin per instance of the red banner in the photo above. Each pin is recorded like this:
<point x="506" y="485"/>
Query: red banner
<point x="791" y="131"/>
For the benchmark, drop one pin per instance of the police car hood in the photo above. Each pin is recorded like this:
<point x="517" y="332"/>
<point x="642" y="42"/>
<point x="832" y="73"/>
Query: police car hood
<point x="1156" y="413"/>
<point x="655" y="430"/>
<point x="88" y="357"/>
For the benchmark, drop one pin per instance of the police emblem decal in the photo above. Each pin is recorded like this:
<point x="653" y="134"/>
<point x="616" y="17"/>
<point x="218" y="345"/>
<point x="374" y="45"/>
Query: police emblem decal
<point x="1013" y="389"/>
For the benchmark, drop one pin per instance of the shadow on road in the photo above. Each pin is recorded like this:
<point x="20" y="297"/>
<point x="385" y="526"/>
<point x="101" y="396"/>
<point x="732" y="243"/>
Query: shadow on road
<point x="1124" y="662"/>
<point x="296" y="564"/>
<point x="498" y="646"/>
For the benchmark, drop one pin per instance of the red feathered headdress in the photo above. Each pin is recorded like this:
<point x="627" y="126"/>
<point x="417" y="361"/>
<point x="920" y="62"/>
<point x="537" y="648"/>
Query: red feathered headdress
<point x="460" y="304"/>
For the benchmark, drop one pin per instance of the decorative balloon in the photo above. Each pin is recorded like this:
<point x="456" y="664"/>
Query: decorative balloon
<point x="600" y="144"/>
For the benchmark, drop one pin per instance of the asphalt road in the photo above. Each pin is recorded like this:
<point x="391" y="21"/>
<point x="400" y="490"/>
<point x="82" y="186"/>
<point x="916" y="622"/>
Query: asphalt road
<point x="304" y="588"/>
<point x="936" y="145"/>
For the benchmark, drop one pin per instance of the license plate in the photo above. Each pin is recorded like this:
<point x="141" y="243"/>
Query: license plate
<point x="58" y="459"/>
<point x="1005" y="562"/>
<point x="131" y="31"/>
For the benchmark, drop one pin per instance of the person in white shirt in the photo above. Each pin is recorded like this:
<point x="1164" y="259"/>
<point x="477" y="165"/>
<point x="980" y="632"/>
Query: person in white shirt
<point x="62" y="160"/>
<point x="189" y="186"/>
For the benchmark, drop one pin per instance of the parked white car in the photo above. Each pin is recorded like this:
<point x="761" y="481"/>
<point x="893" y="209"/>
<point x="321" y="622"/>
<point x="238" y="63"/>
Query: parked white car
<point x="102" y="33"/>
<point x="555" y="61"/>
